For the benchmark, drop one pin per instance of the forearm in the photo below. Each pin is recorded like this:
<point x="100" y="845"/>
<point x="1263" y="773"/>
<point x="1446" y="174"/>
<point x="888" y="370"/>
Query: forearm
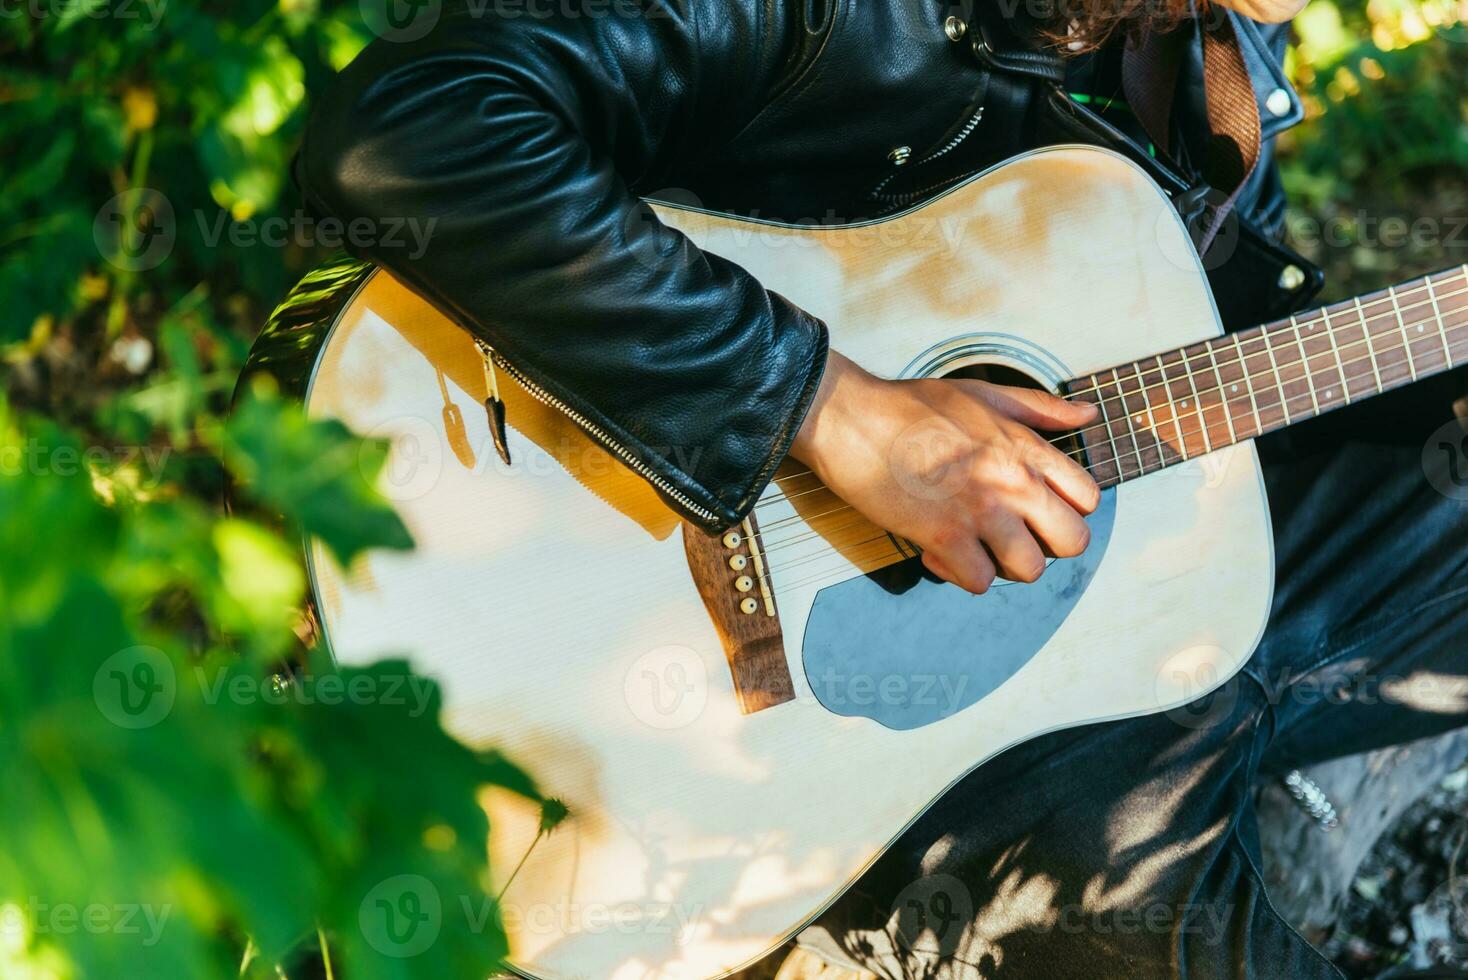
<point x="518" y="164"/>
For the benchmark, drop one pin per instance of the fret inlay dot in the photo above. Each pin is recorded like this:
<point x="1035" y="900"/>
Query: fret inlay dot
<point x="1329" y="392"/>
<point x="1234" y="388"/>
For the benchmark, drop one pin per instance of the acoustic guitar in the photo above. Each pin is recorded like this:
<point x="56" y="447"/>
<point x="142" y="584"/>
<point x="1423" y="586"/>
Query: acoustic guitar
<point x="740" y="724"/>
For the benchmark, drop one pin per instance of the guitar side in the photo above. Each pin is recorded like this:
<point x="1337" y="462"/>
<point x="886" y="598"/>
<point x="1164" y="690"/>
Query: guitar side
<point x="553" y="597"/>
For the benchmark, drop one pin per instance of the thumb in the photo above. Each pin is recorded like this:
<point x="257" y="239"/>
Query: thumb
<point x="1037" y="409"/>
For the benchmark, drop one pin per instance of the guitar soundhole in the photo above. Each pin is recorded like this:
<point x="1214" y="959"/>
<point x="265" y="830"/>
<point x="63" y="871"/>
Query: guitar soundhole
<point x="906" y="650"/>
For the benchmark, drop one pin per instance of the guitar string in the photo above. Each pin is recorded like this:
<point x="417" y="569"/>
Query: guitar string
<point x="1242" y="358"/>
<point x="836" y="571"/>
<point x="770" y="548"/>
<point x="1143" y="466"/>
<point x="1373" y="352"/>
<point x="849" y="552"/>
<point x="1307" y="375"/>
<point x="1322" y="315"/>
<point x="1176" y="419"/>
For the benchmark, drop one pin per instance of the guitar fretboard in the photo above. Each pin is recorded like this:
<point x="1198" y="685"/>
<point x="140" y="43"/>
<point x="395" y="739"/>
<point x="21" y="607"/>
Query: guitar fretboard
<point x="1191" y="401"/>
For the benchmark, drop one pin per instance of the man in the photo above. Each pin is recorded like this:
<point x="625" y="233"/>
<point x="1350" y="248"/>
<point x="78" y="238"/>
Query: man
<point x="529" y="136"/>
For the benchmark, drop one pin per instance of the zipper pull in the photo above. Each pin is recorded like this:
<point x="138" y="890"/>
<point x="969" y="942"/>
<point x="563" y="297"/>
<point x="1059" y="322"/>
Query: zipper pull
<point x="493" y="404"/>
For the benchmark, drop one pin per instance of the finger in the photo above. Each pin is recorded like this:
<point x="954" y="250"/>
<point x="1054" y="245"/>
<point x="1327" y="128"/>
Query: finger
<point x="1064" y="475"/>
<point x="1055" y="524"/>
<point x="933" y="564"/>
<point x="1034" y="408"/>
<point x="975" y="571"/>
<point x="1014" y="548"/>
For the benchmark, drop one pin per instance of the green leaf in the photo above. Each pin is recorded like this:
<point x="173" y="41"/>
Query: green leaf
<point x="314" y="473"/>
<point x="411" y="897"/>
<point x="128" y="799"/>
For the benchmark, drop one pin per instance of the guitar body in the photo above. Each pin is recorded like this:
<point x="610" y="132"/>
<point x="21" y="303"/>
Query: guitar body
<point x="553" y="597"/>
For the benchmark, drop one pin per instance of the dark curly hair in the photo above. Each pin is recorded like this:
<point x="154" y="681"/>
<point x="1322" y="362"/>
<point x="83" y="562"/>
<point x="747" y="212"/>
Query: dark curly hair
<point x="1078" y="26"/>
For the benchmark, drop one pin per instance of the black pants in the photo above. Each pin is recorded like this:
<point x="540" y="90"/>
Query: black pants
<point x="1129" y="849"/>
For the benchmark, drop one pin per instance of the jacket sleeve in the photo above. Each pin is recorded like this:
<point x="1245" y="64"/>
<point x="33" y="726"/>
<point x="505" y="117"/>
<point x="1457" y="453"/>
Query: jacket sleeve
<point x="516" y="144"/>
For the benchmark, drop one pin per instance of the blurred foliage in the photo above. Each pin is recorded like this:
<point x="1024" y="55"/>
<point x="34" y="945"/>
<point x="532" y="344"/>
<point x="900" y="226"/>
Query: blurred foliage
<point x="1378" y="173"/>
<point x="184" y="795"/>
<point x="259" y="827"/>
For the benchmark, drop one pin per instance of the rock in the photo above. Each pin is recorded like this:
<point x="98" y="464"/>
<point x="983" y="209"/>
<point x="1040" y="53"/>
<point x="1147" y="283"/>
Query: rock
<point x="1307" y="870"/>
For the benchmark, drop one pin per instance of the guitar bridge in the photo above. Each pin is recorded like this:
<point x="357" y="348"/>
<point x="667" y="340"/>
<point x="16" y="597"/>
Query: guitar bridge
<point x="730" y="574"/>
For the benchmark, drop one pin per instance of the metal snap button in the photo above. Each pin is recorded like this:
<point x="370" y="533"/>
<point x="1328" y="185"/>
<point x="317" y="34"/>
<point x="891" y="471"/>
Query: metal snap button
<point x="1278" y="103"/>
<point x="900" y="154"/>
<point x="1291" y="278"/>
<point x="955" y="28"/>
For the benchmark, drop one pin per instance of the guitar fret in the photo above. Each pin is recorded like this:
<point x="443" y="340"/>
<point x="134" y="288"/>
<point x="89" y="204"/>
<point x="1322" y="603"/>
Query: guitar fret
<point x="1391" y="293"/>
<point x="1269" y="397"/>
<point x="1428" y="350"/>
<point x="1320" y="362"/>
<point x="1370" y="348"/>
<point x="1335" y="349"/>
<point x="1393" y="359"/>
<point x="1115" y="461"/>
<point x="1179" y="395"/>
<point x="1154" y="387"/>
<point x="1151" y="456"/>
<point x="1442" y="322"/>
<point x="1305" y="364"/>
<point x="1297" y="392"/>
<point x="1278" y="381"/>
<point x="1298" y="383"/>
<point x="1197" y="403"/>
<point x="1128" y="454"/>
<point x="1165" y="409"/>
<point x="1182" y="444"/>
<point x="1230" y="372"/>
<point x="1437" y="315"/>
<point x="1216" y="385"/>
<point x="1360" y="368"/>
<point x="1249" y="383"/>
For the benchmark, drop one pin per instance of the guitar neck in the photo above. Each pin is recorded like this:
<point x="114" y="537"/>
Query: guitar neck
<point x="1197" y="399"/>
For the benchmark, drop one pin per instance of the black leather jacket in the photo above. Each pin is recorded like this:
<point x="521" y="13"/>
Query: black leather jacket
<point x="528" y="133"/>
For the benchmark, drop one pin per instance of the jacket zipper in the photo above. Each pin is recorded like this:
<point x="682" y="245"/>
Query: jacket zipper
<point x="968" y="127"/>
<point x="493" y="359"/>
<point x="962" y="135"/>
